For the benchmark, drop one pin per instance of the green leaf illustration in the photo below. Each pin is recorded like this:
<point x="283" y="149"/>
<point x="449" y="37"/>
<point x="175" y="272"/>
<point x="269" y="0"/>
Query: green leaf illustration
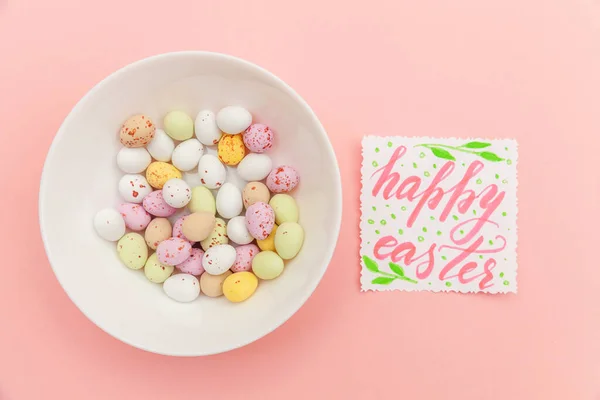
<point x="441" y="153"/>
<point x="490" y="156"/>
<point x="476" y="145"/>
<point x="370" y="264"/>
<point x="397" y="269"/>
<point x="382" y="281"/>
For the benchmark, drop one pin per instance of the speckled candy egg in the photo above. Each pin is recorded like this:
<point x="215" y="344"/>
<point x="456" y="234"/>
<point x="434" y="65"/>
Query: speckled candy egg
<point x="178" y="229"/>
<point x="268" y="244"/>
<point x="283" y="179"/>
<point x="207" y="131"/>
<point x="255" y="167"/>
<point x="218" y="235"/>
<point x="212" y="172"/>
<point x="233" y="119"/>
<point x="109" y="224"/>
<point x="158" y="229"/>
<point x="258" y="138"/>
<point x="133" y="160"/>
<point x="218" y="259"/>
<point x="239" y="286"/>
<point x="156" y="205"/>
<point x="134" y="215"/>
<point x="182" y="287"/>
<point x="243" y="257"/>
<point x="177" y="193"/>
<point x="161" y="147"/>
<point x="255" y="192"/>
<point x="237" y="230"/>
<point x="231" y="149"/>
<point x="212" y="285"/>
<point x="173" y="251"/>
<point x="260" y="219"/>
<point x="229" y="201"/>
<point x="132" y="250"/>
<point x="133" y="188"/>
<point x="155" y="271"/>
<point x="137" y="131"/>
<point x="158" y="173"/>
<point x="187" y="154"/>
<point x="193" y="265"/>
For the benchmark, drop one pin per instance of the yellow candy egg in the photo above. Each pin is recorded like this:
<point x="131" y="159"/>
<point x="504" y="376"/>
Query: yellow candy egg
<point x="218" y="235"/>
<point x="285" y="208"/>
<point x="155" y="271"/>
<point x="267" y="265"/>
<point x="240" y="286"/>
<point x="160" y="172"/>
<point x="132" y="250"/>
<point x="288" y="240"/>
<point x="268" y="244"/>
<point x="202" y="200"/>
<point x="231" y="149"/>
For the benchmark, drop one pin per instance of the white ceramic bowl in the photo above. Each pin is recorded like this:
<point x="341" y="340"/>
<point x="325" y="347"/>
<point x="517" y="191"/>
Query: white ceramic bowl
<point x="80" y="177"/>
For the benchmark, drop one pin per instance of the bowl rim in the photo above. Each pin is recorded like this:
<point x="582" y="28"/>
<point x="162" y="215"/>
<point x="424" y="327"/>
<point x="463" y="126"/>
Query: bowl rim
<point x="61" y="132"/>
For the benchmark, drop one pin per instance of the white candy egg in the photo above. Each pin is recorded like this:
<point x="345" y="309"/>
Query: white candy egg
<point x="255" y="167"/>
<point x="206" y="128"/>
<point x="186" y="155"/>
<point x="218" y="259"/>
<point x="233" y="119"/>
<point x="212" y="172"/>
<point x="237" y="231"/>
<point x="133" y="160"/>
<point x="229" y="201"/>
<point x="161" y="147"/>
<point x="177" y="193"/>
<point x="182" y="287"/>
<point x="133" y="188"/>
<point x="192" y="178"/>
<point x="109" y="224"/>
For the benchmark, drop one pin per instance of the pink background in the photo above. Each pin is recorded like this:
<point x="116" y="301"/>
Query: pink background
<point x="528" y="69"/>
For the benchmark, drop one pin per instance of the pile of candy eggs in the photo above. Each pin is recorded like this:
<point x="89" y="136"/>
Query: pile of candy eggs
<point x="183" y="223"/>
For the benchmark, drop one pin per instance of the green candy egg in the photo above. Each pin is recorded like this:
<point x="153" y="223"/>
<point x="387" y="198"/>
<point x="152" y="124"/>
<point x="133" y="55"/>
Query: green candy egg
<point x="179" y="125"/>
<point x="202" y="200"/>
<point x="132" y="250"/>
<point x="267" y="265"/>
<point x="155" y="271"/>
<point x="288" y="240"/>
<point x="285" y="207"/>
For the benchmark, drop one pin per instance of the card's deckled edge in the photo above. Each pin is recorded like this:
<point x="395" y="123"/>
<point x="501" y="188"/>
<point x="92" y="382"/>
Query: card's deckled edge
<point x="444" y="290"/>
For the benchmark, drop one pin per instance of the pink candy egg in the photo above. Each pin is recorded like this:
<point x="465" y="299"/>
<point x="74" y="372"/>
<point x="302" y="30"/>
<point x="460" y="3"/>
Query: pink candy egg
<point x="156" y="205"/>
<point x="173" y="251"/>
<point x="243" y="257"/>
<point x="258" y="138"/>
<point x="283" y="179"/>
<point x="177" y="230"/>
<point x="134" y="215"/>
<point x="193" y="265"/>
<point x="260" y="219"/>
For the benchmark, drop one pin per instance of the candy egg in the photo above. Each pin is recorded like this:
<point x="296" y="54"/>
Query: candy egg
<point x="133" y="160"/>
<point x="193" y="265"/>
<point x="288" y="240"/>
<point x="207" y="131"/>
<point x="187" y="154"/>
<point x="134" y="215"/>
<point x="255" y="167"/>
<point x="173" y="251"/>
<point x="179" y="125"/>
<point x="178" y="229"/>
<point x="258" y="138"/>
<point x="218" y="235"/>
<point x="243" y="257"/>
<point x="231" y="149"/>
<point x="109" y="224"/>
<point x="198" y="226"/>
<point x="159" y="172"/>
<point x="212" y="285"/>
<point x="212" y="172"/>
<point x="255" y="192"/>
<point x="268" y="244"/>
<point x="177" y="193"/>
<point x="156" y="205"/>
<point x="237" y="231"/>
<point x="285" y="208"/>
<point x="137" y="131"/>
<point x="158" y="229"/>
<point x="155" y="271"/>
<point x="182" y="287"/>
<point x="202" y="200"/>
<point x="132" y="250"/>
<point x="239" y="286"/>
<point x="233" y="119"/>
<point x="267" y="265"/>
<point x="283" y="179"/>
<point x="229" y="201"/>
<point x="133" y="188"/>
<point x="192" y="178"/>
<point x="161" y="147"/>
<point x="218" y="259"/>
<point x="260" y="219"/>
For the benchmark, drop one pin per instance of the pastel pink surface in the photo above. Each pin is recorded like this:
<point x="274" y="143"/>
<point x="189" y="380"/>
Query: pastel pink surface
<point x="173" y="251"/>
<point x="193" y="265"/>
<point x="260" y="219"/>
<point x="258" y="138"/>
<point x="156" y="205"/>
<point x="244" y="256"/>
<point x="282" y="179"/>
<point x="177" y="229"/>
<point x="134" y="215"/>
<point x="497" y="68"/>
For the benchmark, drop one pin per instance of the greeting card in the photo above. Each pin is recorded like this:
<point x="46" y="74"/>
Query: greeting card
<point x="439" y="214"/>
